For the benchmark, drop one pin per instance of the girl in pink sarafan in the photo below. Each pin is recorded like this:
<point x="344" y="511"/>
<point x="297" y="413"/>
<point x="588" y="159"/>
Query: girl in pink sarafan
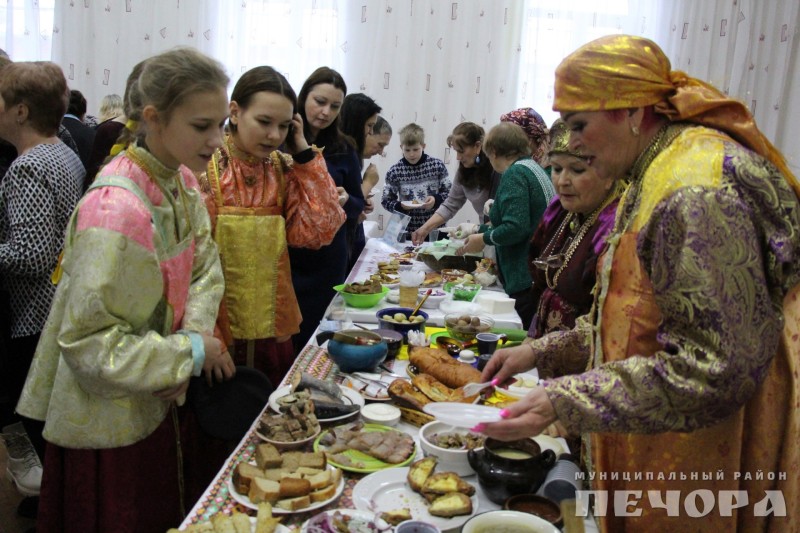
<point x="133" y="317"/>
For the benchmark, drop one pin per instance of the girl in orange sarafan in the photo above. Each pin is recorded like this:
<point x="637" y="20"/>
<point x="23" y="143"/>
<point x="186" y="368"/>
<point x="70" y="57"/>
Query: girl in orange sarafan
<point x="260" y="201"/>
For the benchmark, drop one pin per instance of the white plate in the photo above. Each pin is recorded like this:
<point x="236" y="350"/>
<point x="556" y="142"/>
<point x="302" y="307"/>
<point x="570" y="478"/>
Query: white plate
<point x="388" y="489"/>
<point x="462" y="415"/>
<point x="280" y="529"/>
<point x="354" y="383"/>
<point x="409" y="204"/>
<point x="353" y="513"/>
<point x="244" y="500"/>
<point x="349" y="397"/>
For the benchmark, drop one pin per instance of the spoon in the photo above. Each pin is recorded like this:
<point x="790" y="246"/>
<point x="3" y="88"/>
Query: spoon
<point x="427" y="293"/>
<point x="471" y="389"/>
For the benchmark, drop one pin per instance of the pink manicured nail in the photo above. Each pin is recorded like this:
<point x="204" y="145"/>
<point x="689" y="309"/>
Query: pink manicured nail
<point x="478" y="428"/>
<point x="504" y="413"/>
<point x="494" y="382"/>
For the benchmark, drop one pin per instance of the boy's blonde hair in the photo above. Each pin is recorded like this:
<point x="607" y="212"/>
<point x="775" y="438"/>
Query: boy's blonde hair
<point x="412" y="134"/>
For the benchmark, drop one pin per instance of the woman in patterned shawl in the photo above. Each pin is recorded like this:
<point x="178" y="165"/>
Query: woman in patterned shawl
<point x="684" y="377"/>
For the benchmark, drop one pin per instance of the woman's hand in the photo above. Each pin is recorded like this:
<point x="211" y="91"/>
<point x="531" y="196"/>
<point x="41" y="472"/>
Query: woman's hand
<point x="370" y="179"/>
<point x="525" y="418"/>
<point x="418" y="236"/>
<point x="343" y="196"/>
<point x="298" y="140"/>
<point x="507" y="362"/>
<point x="430" y="201"/>
<point x="218" y="364"/>
<point x="473" y="244"/>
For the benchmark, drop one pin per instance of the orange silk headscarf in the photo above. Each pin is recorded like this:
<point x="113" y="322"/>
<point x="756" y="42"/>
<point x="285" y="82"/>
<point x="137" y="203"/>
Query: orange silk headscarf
<point x="626" y="71"/>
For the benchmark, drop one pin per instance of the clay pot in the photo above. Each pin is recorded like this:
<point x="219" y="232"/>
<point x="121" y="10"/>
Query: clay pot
<point x="506" y="469"/>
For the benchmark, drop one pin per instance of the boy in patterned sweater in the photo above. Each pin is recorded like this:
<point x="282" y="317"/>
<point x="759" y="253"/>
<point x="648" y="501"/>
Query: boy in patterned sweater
<point x="418" y="183"/>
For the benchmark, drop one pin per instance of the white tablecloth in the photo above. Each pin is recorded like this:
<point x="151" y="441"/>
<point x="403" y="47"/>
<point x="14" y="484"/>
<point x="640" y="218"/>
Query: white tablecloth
<point x="377" y="250"/>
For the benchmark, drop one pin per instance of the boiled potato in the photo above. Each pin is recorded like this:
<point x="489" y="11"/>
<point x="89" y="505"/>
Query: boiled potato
<point x="400" y="317"/>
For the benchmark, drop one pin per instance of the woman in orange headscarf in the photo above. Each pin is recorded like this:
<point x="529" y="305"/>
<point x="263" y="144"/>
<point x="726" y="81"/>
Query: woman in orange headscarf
<point x="685" y="373"/>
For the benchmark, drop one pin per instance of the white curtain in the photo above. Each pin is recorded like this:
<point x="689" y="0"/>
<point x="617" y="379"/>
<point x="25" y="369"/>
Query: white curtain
<point x="747" y="49"/>
<point x="434" y="62"/>
<point x="552" y="29"/>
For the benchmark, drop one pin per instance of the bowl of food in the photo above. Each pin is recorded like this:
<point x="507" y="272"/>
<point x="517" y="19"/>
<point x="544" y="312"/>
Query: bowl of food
<point x="397" y="319"/>
<point x="504" y="520"/>
<point x="466" y="292"/>
<point x="363" y="300"/>
<point x="289" y="431"/>
<point x="449" y="445"/>
<point x="452" y="274"/>
<point x="354" y="349"/>
<point x="536" y="505"/>
<point x="434" y="299"/>
<point x="465" y="327"/>
<point x="393" y="340"/>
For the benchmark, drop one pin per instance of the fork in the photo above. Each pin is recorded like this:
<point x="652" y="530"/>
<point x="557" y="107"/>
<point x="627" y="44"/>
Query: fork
<point x="470" y="389"/>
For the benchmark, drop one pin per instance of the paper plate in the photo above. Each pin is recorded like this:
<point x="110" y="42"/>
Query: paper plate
<point x="462" y="415"/>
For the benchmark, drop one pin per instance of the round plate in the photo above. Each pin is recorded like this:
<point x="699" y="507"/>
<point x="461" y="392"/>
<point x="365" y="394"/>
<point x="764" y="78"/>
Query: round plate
<point x="349" y="397"/>
<point x="388" y="489"/>
<point x="371" y="464"/>
<point x="409" y="204"/>
<point x="244" y="500"/>
<point x="462" y="415"/>
<point x="360" y="521"/>
<point x="279" y="529"/>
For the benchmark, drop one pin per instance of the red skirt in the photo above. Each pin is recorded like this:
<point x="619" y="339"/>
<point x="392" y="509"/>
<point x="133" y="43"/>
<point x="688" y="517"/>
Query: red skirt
<point x="131" y="489"/>
<point x="270" y="357"/>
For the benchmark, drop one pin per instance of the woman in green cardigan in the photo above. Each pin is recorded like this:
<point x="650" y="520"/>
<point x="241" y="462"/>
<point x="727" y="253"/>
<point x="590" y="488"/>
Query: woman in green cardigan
<point x="524" y="192"/>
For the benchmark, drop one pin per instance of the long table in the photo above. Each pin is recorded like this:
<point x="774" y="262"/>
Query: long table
<point x="377" y="250"/>
<point x="315" y="361"/>
<point x="216" y="498"/>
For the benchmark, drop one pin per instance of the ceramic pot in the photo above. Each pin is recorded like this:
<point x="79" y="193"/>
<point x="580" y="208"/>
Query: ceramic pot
<point x="354" y="350"/>
<point x="506" y="469"/>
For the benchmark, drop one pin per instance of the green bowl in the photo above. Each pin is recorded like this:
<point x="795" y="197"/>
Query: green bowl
<point x="362" y="301"/>
<point x="466" y="292"/>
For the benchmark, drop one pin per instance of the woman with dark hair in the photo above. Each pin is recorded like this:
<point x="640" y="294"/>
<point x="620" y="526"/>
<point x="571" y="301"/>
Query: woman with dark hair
<point x="475" y="180"/>
<point x="259" y="200"/>
<point x="359" y="116"/>
<point x="315" y="272"/>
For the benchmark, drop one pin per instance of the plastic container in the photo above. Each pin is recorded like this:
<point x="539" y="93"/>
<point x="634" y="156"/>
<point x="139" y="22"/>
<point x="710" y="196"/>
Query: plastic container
<point x="494" y="302"/>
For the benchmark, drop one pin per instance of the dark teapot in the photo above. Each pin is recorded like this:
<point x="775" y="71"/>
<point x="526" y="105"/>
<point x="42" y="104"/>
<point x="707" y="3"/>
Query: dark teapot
<point x="508" y="468"/>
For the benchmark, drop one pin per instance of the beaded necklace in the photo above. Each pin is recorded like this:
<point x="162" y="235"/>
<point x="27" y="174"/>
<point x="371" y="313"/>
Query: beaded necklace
<point x="548" y="260"/>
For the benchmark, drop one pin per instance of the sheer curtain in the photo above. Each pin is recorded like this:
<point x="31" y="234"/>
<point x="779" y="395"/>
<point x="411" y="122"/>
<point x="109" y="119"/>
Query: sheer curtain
<point x="749" y="50"/>
<point x="434" y="62"/>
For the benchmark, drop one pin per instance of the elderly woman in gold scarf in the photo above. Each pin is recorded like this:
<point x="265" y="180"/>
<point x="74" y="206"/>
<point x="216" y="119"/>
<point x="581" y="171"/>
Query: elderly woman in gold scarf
<point x="684" y="376"/>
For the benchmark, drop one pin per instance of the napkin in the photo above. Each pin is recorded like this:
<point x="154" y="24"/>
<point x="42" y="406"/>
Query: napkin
<point x="411" y="278"/>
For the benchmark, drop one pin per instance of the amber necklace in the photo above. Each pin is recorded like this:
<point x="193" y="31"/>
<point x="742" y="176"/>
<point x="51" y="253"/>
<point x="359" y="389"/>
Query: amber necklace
<point x="548" y="260"/>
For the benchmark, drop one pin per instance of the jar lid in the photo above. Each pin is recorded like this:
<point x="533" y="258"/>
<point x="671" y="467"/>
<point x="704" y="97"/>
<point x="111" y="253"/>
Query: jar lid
<point x="466" y="356"/>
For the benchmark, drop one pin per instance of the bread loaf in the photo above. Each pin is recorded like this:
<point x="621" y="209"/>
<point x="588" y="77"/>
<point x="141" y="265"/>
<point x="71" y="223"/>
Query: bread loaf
<point x="451" y="504"/>
<point x="404" y="394"/>
<point x="439" y="364"/>
<point x="243" y="476"/>
<point x="293" y="487"/>
<point x="432" y="388"/>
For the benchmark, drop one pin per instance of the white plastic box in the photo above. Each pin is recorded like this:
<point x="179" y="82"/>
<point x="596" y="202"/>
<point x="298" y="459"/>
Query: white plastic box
<point x="495" y="302"/>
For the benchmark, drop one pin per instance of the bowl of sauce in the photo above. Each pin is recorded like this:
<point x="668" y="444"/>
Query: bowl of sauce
<point x="536" y="505"/>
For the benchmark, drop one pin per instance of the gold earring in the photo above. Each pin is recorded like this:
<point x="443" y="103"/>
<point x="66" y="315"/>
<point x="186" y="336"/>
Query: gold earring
<point x="635" y="131"/>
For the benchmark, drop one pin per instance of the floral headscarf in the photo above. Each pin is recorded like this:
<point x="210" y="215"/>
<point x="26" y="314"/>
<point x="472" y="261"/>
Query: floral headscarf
<point x="533" y="125"/>
<point x="626" y="71"/>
